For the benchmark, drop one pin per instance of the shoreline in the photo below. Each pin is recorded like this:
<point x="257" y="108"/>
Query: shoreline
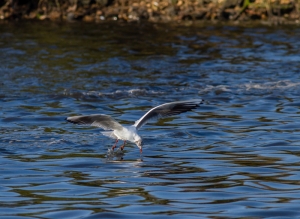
<point x="160" y="11"/>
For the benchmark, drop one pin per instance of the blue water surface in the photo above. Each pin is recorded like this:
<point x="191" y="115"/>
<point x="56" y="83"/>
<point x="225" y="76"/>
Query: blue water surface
<point x="237" y="156"/>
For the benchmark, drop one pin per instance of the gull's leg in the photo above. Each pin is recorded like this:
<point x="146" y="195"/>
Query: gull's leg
<point x="113" y="147"/>
<point x="122" y="147"/>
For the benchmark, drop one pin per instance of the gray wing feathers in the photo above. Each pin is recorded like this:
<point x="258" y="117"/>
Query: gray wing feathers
<point x="109" y="134"/>
<point x="168" y="109"/>
<point x="99" y="120"/>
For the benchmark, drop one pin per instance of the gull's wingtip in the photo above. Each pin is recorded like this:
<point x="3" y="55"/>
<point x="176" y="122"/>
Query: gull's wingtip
<point x="197" y="101"/>
<point x="69" y="119"/>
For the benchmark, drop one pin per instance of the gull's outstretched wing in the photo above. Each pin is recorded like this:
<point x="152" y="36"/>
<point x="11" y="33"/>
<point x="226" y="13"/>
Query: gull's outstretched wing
<point x="168" y="109"/>
<point x="99" y="120"/>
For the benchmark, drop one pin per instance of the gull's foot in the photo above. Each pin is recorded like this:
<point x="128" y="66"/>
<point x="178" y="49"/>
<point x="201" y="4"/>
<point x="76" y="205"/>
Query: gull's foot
<point x="123" y="145"/>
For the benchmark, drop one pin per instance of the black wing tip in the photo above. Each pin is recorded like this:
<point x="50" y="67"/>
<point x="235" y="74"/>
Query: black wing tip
<point x="195" y="101"/>
<point x="184" y="107"/>
<point x="201" y="101"/>
<point x="198" y="103"/>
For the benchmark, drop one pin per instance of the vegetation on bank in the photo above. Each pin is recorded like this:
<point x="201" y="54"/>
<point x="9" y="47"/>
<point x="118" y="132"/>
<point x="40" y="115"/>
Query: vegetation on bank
<point x="151" y="10"/>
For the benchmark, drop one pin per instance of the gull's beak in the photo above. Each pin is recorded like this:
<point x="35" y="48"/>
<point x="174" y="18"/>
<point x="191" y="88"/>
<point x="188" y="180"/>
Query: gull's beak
<point x="139" y="144"/>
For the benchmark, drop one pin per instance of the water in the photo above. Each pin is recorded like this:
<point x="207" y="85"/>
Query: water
<point x="236" y="156"/>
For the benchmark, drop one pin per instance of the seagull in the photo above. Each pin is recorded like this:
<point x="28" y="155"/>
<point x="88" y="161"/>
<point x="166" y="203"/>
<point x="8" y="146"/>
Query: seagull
<point x="115" y="130"/>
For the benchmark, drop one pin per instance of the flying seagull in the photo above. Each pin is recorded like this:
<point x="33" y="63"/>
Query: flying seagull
<point x="129" y="133"/>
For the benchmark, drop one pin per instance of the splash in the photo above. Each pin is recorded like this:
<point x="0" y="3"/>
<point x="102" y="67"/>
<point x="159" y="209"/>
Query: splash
<point x="112" y="155"/>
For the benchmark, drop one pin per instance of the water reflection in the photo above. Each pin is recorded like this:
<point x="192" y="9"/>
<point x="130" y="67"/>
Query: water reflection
<point x="237" y="156"/>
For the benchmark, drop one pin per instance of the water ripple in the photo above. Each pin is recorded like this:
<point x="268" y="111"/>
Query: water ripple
<point x="235" y="157"/>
